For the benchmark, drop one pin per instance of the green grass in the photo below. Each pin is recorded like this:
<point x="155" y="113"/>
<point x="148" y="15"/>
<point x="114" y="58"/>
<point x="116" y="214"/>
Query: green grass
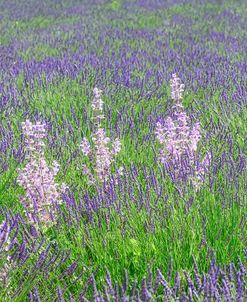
<point x="178" y="236"/>
<point x="137" y="238"/>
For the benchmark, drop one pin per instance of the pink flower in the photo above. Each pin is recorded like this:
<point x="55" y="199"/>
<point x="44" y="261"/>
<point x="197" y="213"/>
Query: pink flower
<point x="177" y="88"/>
<point x="195" y="137"/>
<point x="160" y="133"/>
<point x="37" y="179"/>
<point x="97" y="106"/>
<point x="97" y="103"/>
<point x="102" y="152"/>
<point x="116" y="147"/>
<point x="85" y="146"/>
<point x="179" y="142"/>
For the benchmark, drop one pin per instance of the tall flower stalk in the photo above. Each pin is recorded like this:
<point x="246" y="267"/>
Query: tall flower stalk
<point x="102" y="151"/>
<point x="179" y="142"/>
<point x="42" y="193"/>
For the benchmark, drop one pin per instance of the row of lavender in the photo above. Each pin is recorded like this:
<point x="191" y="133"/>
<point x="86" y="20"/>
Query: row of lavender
<point x="89" y="44"/>
<point x="178" y="155"/>
<point x="218" y="284"/>
<point x="199" y="65"/>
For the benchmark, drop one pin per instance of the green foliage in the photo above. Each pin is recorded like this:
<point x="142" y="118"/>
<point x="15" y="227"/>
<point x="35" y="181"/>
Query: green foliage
<point x="136" y="238"/>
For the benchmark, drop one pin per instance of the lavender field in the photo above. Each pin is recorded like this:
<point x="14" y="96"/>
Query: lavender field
<point x="123" y="127"/>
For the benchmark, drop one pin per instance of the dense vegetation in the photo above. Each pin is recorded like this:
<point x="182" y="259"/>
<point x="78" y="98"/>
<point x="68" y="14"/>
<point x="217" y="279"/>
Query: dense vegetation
<point x="135" y="190"/>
